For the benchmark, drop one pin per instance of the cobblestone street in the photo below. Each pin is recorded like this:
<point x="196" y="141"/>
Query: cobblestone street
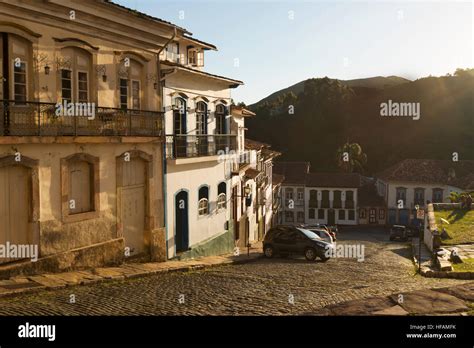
<point x="261" y="287"/>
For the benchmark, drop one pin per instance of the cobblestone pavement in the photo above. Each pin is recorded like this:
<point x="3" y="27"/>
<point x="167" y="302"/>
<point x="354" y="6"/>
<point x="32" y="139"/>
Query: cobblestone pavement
<point x="262" y="287"/>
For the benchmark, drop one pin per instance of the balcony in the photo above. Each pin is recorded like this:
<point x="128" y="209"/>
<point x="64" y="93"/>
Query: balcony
<point x="189" y="146"/>
<point x="41" y="119"/>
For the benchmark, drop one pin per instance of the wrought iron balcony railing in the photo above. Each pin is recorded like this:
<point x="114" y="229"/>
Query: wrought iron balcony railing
<point x="42" y="119"/>
<point x="186" y="146"/>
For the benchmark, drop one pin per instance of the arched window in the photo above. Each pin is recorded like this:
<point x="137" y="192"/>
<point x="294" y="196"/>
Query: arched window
<point x="131" y="84"/>
<point x="75" y="75"/>
<point x="201" y="118"/>
<point x="220" y="119"/>
<point x="203" y="203"/>
<point x="179" y="116"/>
<point x="222" y="196"/>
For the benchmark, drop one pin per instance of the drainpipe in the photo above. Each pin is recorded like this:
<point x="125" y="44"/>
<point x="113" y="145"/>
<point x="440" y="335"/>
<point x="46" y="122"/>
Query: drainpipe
<point x="160" y="94"/>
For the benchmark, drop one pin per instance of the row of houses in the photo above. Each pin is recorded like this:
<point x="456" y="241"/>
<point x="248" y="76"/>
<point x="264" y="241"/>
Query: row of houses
<point x="116" y="143"/>
<point x="388" y="198"/>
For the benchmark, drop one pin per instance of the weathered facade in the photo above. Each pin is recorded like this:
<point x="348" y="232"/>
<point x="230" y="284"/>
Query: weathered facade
<point x="81" y="131"/>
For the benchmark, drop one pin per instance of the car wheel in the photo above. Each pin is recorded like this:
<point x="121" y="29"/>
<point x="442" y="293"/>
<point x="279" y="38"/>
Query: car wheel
<point x="268" y="251"/>
<point x="310" y="254"/>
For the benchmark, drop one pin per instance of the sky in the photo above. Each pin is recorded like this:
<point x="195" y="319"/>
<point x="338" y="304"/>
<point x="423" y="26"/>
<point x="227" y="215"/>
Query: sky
<point x="271" y="45"/>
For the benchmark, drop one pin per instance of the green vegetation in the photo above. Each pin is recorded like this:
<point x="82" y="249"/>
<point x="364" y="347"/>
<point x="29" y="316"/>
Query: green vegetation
<point x="460" y="228"/>
<point x="329" y="113"/>
<point x="466" y="266"/>
<point x="355" y="161"/>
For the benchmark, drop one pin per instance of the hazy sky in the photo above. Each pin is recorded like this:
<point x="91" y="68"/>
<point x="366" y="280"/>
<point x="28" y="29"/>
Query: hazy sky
<point x="279" y="43"/>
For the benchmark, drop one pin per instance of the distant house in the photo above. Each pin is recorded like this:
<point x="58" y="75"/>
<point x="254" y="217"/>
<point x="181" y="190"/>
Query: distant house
<point x="372" y="206"/>
<point x="293" y="189"/>
<point x="414" y="182"/>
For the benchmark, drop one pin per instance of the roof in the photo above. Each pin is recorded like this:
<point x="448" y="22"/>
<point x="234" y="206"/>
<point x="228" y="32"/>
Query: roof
<point x="294" y="172"/>
<point x="277" y="179"/>
<point x="268" y="154"/>
<point x="333" y="180"/>
<point x="367" y="196"/>
<point x="241" y="111"/>
<point x="203" y="43"/>
<point x="427" y="171"/>
<point x="144" y="15"/>
<point x="252" y="173"/>
<point x="235" y="83"/>
<point x="254" y="144"/>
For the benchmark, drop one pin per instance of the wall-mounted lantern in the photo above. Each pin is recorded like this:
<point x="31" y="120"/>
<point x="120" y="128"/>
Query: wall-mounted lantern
<point x="47" y="69"/>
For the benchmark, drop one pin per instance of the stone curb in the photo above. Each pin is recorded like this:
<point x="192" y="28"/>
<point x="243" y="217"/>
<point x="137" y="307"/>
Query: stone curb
<point x="131" y="271"/>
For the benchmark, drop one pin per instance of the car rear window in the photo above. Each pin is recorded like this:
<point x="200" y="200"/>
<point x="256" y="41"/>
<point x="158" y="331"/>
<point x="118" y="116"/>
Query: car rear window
<point x="309" y="234"/>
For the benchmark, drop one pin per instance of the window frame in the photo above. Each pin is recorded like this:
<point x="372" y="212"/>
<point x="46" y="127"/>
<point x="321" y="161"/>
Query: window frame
<point x="203" y="210"/>
<point x="14" y="83"/>
<point x="93" y="161"/>
<point x="78" y="91"/>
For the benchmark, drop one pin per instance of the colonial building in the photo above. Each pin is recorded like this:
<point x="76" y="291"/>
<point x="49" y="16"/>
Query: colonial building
<point x="414" y="182"/>
<point x="327" y="198"/>
<point x="81" y="131"/>
<point x="203" y="142"/>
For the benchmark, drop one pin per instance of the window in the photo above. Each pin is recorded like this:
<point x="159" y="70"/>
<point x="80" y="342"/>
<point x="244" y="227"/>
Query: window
<point x="123" y="93"/>
<point x="75" y="85"/>
<point x="420" y="196"/>
<point x="362" y="213"/>
<point x="131" y="79"/>
<point x="437" y="195"/>
<point x="401" y="195"/>
<point x="135" y="94"/>
<point x="300" y="216"/>
<point x="325" y="199"/>
<point x="312" y="213"/>
<point x="203" y="203"/>
<point x="83" y="90"/>
<point x="313" y="199"/>
<point x="200" y="58"/>
<point x="80" y="185"/>
<point x="381" y="214"/>
<point x="222" y="196"/>
<point x="337" y="202"/>
<point x="192" y="57"/>
<point x="66" y="85"/>
<point x="288" y="194"/>
<point x="289" y="216"/>
<point x="321" y="214"/>
<point x="179" y="116"/>
<point x="300" y="194"/>
<point x="201" y="118"/>
<point x="172" y="52"/>
<point x="220" y="119"/>
<point x="349" y="199"/>
<point x="19" y="81"/>
<point x="351" y="215"/>
<point x="342" y="214"/>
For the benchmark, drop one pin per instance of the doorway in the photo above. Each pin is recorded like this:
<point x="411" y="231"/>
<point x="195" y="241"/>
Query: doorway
<point x="181" y="221"/>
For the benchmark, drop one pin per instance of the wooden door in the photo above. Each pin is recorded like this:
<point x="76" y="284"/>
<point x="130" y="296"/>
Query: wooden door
<point x="133" y="204"/>
<point x="331" y="217"/>
<point x="14" y="207"/>
<point x="181" y="222"/>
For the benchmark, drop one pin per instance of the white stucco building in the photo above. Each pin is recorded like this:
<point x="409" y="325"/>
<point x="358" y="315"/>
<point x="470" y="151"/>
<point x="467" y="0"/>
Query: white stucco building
<point x="199" y="151"/>
<point x="414" y="182"/>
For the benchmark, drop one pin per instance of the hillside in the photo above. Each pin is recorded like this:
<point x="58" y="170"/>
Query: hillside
<point x="371" y="82"/>
<point x="328" y="113"/>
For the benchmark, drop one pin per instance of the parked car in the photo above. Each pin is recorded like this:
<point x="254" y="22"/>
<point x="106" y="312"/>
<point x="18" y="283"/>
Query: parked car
<point x="398" y="232"/>
<point x="286" y="240"/>
<point x="332" y="230"/>
<point x="322" y="233"/>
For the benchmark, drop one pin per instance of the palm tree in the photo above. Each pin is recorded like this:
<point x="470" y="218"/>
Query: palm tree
<point x="351" y="158"/>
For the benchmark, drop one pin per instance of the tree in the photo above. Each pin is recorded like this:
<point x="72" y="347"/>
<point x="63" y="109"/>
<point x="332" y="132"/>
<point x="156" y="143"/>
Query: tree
<point x="351" y="158"/>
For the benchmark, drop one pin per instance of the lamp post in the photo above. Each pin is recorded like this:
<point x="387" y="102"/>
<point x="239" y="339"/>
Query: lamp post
<point x="417" y="207"/>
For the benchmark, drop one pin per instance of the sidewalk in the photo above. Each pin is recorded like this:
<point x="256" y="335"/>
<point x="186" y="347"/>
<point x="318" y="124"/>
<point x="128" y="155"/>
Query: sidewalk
<point x="454" y="300"/>
<point x="26" y="284"/>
